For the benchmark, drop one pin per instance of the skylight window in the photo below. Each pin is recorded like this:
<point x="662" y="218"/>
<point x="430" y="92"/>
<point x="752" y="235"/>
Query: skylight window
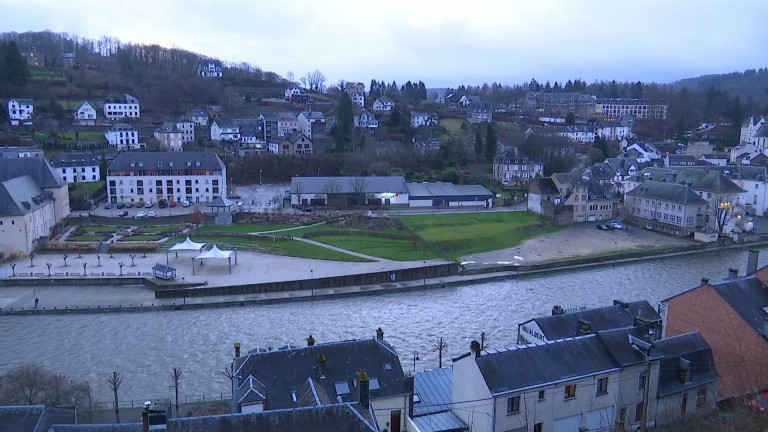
<point x="342" y="388"/>
<point x="373" y="384"/>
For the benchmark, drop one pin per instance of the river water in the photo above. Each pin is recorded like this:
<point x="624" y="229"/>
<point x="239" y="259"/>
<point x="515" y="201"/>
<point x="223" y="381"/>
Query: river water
<point x="146" y="346"/>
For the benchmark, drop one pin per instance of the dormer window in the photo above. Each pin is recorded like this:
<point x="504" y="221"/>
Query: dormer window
<point x="342" y="388"/>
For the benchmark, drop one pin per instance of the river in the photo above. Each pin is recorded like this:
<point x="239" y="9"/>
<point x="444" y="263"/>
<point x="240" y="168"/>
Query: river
<point x="146" y="346"/>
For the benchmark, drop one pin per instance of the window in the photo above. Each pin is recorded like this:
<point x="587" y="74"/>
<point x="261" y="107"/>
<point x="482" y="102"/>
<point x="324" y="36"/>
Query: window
<point x="541" y="395"/>
<point x="622" y="415"/>
<point x="538" y="427"/>
<point x="639" y="412"/>
<point x="513" y="405"/>
<point x="570" y="391"/>
<point x="641" y="382"/>
<point x="701" y="397"/>
<point x="602" y="386"/>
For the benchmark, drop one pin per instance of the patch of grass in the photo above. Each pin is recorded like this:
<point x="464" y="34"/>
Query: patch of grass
<point x="393" y="249"/>
<point x="452" y="125"/>
<point x="154" y="229"/>
<point x="88" y="238"/>
<point x="87" y="136"/>
<point x="45" y="74"/>
<point x="101" y="229"/>
<point x="241" y="228"/>
<point x="462" y="234"/>
<point x="142" y="237"/>
<point x="89" y="189"/>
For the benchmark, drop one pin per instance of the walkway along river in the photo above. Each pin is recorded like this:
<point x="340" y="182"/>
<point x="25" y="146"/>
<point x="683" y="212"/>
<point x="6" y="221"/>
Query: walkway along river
<point x="146" y="346"/>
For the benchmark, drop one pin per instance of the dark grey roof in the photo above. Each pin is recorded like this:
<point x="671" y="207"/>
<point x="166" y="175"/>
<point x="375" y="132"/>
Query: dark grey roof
<point x="121" y="99"/>
<point x="544" y="186"/>
<point x="38" y="168"/>
<point x="74" y="159"/>
<point x="745" y="172"/>
<point x="181" y="161"/>
<point x="620" y="315"/>
<point x="434" y="389"/>
<point x="671" y="192"/>
<point x="106" y="427"/>
<point x="221" y="202"/>
<point x="333" y="418"/>
<point x="512" y="155"/>
<point x="167" y="127"/>
<point x="447" y="190"/>
<point x="618" y="345"/>
<point x="687" y="351"/>
<point x="747" y="296"/>
<point x="198" y="112"/>
<point x="313" y="115"/>
<point x="762" y="132"/>
<point x="21" y="195"/>
<point x="23" y="101"/>
<point x="534" y="365"/>
<point x="374" y="184"/>
<point x="33" y="418"/>
<point x="599" y="172"/>
<point x="284" y="371"/>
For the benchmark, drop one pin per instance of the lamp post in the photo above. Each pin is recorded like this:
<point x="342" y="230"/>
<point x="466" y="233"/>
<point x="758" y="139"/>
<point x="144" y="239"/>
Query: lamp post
<point x="311" y="283"/>
<point x="424" y="269"/>
<point x="31" y="260"/>
<point x="643" y="348"/>
<point x="415" y="357"/>
<point x="65" y="259"/>
<point x="260" y="171"/>
<point x="98" y="258"/>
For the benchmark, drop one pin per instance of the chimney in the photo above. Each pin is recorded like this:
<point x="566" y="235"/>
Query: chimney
<point x="237" y="349"/>
<point x="765" y="327"/>
<point x="321" y="365"/>
<point x="752" y="261"/>
<point x="557" y="310"/>
<point x="145" y="417"/>
<point x="410" y="384"/>
<point x="733" y="273"/>
<point x="624" y="305"/>
<point x="310" y="341"/>
<point x="475" y="347"/>
<point x="704" y="281"/>
<point x="583" y="327"/>
<point x="365" y="396"/>
<point x="379" y="334"/>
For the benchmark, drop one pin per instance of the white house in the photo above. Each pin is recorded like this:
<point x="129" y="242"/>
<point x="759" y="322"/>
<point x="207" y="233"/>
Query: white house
<point x="122" y="136"/>
<point x="287" y="123"/>
<point x="120" y="106"/>
<point x="468" y="100"/>
<point x="383" y="104"/>
<point x="85" y="115"/>
<point x="196" y="177"/>
<point x="224" y="130"/>
<point x="311" y="121"/>
<point x="210" y="69"/>
<point x="33" y="199"/>
<point x="198" y="116"/>
<point x="422" y="119"/>
<point x="77" y="167"/>
<point x="294" y="91"/>
<point x="365" y="120"/>
<point x="20" y="110"/>
<point x="358" y="99"/>
<point x="749" y="128"/>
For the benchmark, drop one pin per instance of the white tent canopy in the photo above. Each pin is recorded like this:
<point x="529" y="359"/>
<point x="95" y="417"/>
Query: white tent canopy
<point x="187" y="245"/>
<point x="215" y="252"/>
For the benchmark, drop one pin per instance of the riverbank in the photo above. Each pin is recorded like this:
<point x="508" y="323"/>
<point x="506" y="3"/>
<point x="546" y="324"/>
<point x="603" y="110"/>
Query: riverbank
<point x="93" y="283"/>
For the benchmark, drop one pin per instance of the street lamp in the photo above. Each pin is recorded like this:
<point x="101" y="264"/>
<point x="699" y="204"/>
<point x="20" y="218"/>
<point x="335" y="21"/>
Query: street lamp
<point x="415" y="357"/>
<point x="65" y="259"/>
<point x="260" y="171"/>
<point x="98" y="258"/>
<point x="312" y="283"/>
<point x="643" y="348"/>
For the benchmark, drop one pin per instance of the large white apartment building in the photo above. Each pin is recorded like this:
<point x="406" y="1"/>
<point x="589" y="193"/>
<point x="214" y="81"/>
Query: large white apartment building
<point x="120" y="106"/>
<point x="77" y="167"/>
<point x="196" y="177"/>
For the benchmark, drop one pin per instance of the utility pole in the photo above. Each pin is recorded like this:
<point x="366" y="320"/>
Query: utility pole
<point x="643" y="348"/>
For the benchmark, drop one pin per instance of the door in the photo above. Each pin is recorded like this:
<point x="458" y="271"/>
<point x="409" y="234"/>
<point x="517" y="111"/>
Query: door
<point x="394" y="421"/>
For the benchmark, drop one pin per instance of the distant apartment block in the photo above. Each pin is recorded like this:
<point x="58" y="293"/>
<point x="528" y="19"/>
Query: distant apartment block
<point x="121" y="106"/>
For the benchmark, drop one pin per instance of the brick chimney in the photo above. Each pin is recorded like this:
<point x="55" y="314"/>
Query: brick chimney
<point x="365" y="395"/>
<point x="237" y="349"/>
<point x="379" y="334"/>
<point x="557" y="310"/>
<point x="752" y="261"/>
<point x="704" y="281"/>
<point x="310" y="341"/>
<point x="733" y="273"/>
<point x="475" y="347"/>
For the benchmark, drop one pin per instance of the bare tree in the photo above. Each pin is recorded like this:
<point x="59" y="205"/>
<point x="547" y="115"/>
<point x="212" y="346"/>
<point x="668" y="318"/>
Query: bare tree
<point x="359" y="187"/>
<point x="33" y="385"/>
<point x="115" y="380"/>
<point x="316" y="81"/>
<point x="176" y="377"/>
<point x="440" y="346"/>
<point x="290" y="76"/>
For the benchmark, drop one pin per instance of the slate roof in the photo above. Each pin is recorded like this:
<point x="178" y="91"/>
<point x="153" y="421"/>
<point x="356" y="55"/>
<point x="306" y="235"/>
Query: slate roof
<point x="122" y="127"/>
<point x="512" y="155"/>
<point x="284" y="371"/>
<point x="386" y="100"/>
<point x="294" y="137"/>
<point x="434" y="388"/>
<point x="745" y="172"/>
<point x="447" y="189"/>
<point x="197" y="112"/>
<point x="374" y="184"/>
<point x="167" y="127"/>
<point x="620" y="315"/>
<point x="41" y="172"/>
<point x="544" y="186"/>
<point x="762" y="132"/>
<point x="33" y="418"/>
<point x="333" y="418"/>
<point x="747" y="296"/>
<point x="121" y="99"/>
<point x="534" y="365"/>
<point x="23" y="101"/>
<point x="705" y="180"/>
<point x="676" y="351"/>
<point x="182" y="161"/>
<point x="599" y="172"/>
<point x="22" y="195"/>
<point x="671" y="192"/>
<point x="313" y="115"/>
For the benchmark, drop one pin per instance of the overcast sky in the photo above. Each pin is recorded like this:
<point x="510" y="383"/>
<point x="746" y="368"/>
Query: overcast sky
<point x="442" y="43"/>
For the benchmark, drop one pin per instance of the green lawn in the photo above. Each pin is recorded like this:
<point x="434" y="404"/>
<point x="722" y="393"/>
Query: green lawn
<point x="100" y="229"/>
<point x="242" y="228"/>
<point x="142" y="237"/>
<point x="87" y="188"/>
<point x="154" y="229"/>
<point x="88" y="238"/>
<point x="393" y="249"/>
<point x="462" y="234"/>
<point x="452" y="125"/>
<point x="87" y="136"/>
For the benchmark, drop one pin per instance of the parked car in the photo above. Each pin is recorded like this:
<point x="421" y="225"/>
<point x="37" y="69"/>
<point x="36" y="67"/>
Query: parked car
<point x="140" y="204"/>
<point x="308" y="209"/>
<point x="172" y="204"/>
<point x="759" y="402"/>
<point x="141" y="214"/>
<point x="616" y="225"/>
<point x="603" y="227"/>
<point x="152" y="214"/>
<point x="123" y="213"/>
<point x="149" y="204"/>
<point x="162" y="204"/>
<point x="129" y="204"/>
<point x="185" y="203"/>
<point x="120" y="205"/>
<point x="107" y="206"/>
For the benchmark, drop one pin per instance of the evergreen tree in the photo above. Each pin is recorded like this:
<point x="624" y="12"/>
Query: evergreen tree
<point x="491" y="145"/>
<point x="394" y="116"/>
<point x="478" y="142"/>
<point x="344" y="124"/>
<point x="13" y="66"/>
<point x="422" y="93"/>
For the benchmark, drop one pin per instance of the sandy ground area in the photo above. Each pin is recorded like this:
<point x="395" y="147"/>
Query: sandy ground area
<point x="577" y="240"/>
